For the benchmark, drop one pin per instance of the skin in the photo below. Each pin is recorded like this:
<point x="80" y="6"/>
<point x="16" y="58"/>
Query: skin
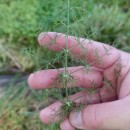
<point x="110" y="108"/>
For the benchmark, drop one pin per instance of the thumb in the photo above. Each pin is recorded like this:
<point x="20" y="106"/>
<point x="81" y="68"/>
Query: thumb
<point x="113" y="116"/>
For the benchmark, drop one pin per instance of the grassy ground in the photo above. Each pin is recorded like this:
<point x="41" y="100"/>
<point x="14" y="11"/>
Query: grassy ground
<point x="20" y="106"/>
<point x="22" y="21"/>
<point x="106" y="21"/>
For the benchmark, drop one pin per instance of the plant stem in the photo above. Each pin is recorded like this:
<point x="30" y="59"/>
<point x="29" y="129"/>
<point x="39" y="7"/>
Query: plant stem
<point x="66" y="51"/>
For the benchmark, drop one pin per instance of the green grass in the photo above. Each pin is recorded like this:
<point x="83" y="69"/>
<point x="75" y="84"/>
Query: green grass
<point x="103" y="21"/>
<point x="20" y="106"/>
<point x="22" y="21"/>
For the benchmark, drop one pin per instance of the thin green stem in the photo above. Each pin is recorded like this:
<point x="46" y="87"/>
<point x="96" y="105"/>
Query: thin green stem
<point x="66" y="52"/>
<point x="68" y="24"/>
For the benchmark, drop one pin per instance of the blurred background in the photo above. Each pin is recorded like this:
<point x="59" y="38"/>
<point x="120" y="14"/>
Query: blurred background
<point x="21" y="21"/>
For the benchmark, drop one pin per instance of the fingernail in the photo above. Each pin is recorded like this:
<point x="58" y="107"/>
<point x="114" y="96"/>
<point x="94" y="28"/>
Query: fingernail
<point x="40" y="37"/>
<point x="30" y="79"/>
<point x="45" y="116"/>
<point x="76" y="120"/>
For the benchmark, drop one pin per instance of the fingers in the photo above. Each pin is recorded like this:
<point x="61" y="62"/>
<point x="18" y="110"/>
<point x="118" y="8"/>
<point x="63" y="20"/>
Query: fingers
<point x="53" y="78"/>
<point x="99" y="54"/>
<point x="66" y="125"/>
<point x="113" y="116"/>
<point x="52" y="113"/>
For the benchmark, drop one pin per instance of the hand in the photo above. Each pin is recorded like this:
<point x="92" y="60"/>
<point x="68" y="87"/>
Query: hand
<point x="110" y="108"/>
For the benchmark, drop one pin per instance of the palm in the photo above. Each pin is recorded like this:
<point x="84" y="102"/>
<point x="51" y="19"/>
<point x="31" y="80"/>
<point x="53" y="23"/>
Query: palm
<point x="117" y="78"/>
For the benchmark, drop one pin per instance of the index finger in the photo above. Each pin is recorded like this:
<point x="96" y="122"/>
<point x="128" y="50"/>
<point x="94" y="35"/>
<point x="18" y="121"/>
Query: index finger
<point x="99" y="54"/>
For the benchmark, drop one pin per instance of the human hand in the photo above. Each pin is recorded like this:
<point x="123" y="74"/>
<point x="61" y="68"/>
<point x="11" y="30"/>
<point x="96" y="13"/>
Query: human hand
<point x="110" y="108"/>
